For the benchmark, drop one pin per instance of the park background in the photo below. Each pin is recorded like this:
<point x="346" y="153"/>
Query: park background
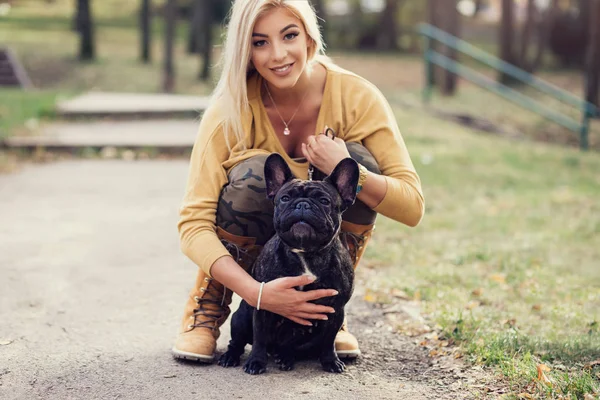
<point x="503" y="271"/>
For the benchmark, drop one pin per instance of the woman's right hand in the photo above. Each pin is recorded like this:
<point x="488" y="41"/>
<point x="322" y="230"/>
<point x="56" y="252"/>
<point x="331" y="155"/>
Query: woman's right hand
<point x="280" y="297"/>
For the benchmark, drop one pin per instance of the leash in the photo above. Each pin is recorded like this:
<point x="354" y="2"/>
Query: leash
<point x="311" y="168"/>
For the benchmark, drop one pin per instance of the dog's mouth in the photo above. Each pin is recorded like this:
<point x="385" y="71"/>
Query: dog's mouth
<point x="302" y="222"/>
<point x="301" y="225"/>
<point x="301" y="230"/>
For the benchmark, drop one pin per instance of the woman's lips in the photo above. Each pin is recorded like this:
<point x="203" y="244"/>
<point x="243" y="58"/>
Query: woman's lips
<point x="283" y="71"/>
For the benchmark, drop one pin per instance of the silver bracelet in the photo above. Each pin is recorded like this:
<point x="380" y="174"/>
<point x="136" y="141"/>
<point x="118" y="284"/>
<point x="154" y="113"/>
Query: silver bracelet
<point x="259" y="295"/>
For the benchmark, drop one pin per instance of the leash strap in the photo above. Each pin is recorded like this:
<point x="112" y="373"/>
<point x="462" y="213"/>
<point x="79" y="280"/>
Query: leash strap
<point x="311" y="168"/>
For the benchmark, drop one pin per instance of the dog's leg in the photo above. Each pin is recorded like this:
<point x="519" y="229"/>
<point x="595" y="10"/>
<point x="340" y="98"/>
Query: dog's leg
<point x="257" y="362"/>
<point x="285" y="358"/>
<point x="241" y="334"/>
<point x="329" y="359"/>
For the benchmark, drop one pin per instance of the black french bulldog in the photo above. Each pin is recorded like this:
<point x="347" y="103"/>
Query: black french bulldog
<point x="307" y="220"/>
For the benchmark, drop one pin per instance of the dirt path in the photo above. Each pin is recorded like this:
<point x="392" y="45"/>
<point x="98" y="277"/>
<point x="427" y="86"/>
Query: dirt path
<point x="93" y="285"/>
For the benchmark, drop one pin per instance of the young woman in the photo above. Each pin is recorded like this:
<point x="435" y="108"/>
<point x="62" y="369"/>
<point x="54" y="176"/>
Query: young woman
<point x="278" y="93"/>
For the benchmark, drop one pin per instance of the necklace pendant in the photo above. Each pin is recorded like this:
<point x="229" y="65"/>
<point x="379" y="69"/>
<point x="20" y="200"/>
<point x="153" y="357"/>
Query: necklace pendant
<point x="286" y="131"/>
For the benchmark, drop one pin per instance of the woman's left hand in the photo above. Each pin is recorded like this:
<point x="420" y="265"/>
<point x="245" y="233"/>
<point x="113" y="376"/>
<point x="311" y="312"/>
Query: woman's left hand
<point x="324" y="152"/>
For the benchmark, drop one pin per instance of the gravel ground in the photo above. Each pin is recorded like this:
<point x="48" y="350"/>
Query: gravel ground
<point x="93" y="286"/>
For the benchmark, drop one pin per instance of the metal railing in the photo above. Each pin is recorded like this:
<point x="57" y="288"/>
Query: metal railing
<point x="432" y="57"/>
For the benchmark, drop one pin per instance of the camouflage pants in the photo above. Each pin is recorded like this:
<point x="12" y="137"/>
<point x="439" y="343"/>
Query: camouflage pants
<point x="244" y="209"/>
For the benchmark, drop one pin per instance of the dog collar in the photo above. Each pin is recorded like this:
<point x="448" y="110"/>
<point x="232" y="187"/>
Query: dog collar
<point x="298" y="251"/>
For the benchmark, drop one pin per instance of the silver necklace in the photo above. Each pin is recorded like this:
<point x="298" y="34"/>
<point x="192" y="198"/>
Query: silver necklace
<point x="286" y="131"/>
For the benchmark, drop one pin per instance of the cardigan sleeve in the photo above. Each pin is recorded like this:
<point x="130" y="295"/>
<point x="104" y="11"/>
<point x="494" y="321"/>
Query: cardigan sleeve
<point x="371" y="121"/>
<point x="206" y="177"/>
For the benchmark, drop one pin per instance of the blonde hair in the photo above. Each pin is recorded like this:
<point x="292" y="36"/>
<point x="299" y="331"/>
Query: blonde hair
<point x="231" y="90"/>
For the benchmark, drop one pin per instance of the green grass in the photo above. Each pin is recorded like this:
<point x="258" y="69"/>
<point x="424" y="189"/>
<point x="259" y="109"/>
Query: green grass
<point x="23" y="110"/>
<point x="505" y="262"/>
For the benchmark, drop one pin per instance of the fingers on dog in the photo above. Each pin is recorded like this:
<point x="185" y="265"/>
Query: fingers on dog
<point x="319" y="293"/>
<point x="316" y="308"/>
<point x="312" y="316"/>
<point x="301" y="280"/>
<point x="300" y="321"/>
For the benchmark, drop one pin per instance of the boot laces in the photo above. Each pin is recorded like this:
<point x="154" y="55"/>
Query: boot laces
<point x="356" y="239"/>
<point x="238" y="253"/>
<point x="209" y="316"/>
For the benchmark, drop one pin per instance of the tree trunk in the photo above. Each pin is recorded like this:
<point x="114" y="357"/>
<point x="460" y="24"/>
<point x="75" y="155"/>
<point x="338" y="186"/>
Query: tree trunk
<point x="319" y="6"/>
<point x="170" y="21"/>
<point x="507" y="38"/>
<point x="85" y="27"/>
<point x="526" y="37"/>
<point x="452" y="26"/>
<point x="592" y="82"/>
<point x="544" y="34"/>
<point x="196" y="31"/>
<point x="444" y="15"/>
<point x="388" y="32"/>
<point x="433" y="17"/>
<point x="145" y="31"/>
<point x="206" y="25"/>
<point x="478" y="7"/>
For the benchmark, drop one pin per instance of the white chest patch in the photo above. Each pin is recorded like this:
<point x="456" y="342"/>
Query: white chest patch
<point x="307" y="270"/>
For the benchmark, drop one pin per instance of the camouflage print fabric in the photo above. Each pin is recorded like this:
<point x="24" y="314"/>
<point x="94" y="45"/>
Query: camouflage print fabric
<point x="244" y="209"/>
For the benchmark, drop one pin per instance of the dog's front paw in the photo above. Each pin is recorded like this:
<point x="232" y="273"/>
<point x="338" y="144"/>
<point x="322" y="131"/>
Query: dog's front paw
<point x="255" y="367"/>
<point x="286" y="363"/>
<point x="229" y="360"/>
<point x="335" y="365"/>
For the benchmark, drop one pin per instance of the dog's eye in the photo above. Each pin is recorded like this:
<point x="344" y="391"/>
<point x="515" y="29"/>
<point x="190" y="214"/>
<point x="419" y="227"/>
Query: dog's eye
<point x="285" y="198"/>
<point x="325" y="201"/>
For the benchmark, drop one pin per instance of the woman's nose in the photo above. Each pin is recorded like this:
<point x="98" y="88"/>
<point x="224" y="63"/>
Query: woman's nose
<point x="279" y="52"/>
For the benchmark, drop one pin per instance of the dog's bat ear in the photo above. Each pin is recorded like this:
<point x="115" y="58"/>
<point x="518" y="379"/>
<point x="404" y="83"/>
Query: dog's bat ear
<point x="277" y="173"/>
<point x="345" y="179"/>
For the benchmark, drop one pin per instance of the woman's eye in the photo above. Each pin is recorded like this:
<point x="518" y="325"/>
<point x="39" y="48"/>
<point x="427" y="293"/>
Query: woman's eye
<point x="260" y="43"/>
<point x="285" y="198"/>
<point x="290" y="36"/>
<point x="325" y="201"/>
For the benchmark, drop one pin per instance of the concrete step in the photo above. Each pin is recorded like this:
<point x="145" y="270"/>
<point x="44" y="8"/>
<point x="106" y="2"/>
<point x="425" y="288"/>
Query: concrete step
<point x="158" y="134"/>
<point x="132" y="105"/>
<point x="9" y="80"/>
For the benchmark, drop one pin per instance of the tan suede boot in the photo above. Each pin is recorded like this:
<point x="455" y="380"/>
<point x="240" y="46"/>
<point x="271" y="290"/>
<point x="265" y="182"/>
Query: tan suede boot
<point x="356" y="236"/>
<point x="207" y="307"/>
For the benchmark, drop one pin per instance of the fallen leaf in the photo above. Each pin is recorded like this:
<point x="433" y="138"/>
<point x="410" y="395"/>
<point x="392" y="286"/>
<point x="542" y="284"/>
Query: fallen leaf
<point x="536" y="307"/>
<point x="510" y="322"/>
<point x="525" y="396"/>
<point x="500" y="278"/>
<point x="592" y="364"/>
<point x="369" y="298"/>
<point x="541" y="369"/>
<point x="477" y="292"/>
<point x="400" y="294"/>
<point x="472" y="305"/>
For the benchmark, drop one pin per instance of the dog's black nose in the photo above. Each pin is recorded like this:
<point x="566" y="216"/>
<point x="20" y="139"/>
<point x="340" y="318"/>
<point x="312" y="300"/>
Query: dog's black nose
<point x="303" y="205"/>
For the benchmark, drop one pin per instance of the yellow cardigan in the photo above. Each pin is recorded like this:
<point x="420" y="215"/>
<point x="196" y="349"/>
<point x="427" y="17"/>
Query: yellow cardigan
<point x="357" y="112"/>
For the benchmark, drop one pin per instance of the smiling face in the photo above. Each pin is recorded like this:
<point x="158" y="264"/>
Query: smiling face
<point x="280" y="48"/>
